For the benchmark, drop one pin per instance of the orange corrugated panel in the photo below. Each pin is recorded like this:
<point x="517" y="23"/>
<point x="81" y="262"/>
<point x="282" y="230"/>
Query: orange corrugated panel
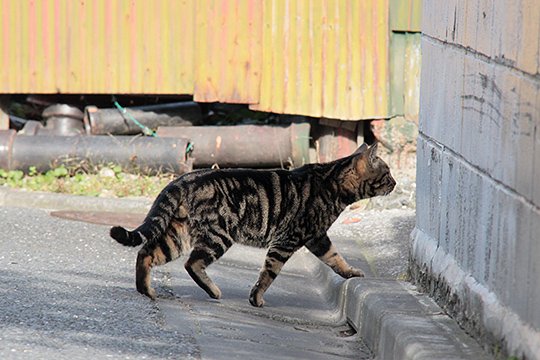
<point x="326" y="58"/>
<point x="97" y="46"/>
<point x="228" y="51"/>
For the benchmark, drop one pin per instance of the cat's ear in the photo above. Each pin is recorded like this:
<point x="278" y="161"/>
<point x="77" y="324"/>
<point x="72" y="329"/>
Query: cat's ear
<point x="372" y="153"/>
<point x="361" y="149"/>
<point x="364" y="157"/>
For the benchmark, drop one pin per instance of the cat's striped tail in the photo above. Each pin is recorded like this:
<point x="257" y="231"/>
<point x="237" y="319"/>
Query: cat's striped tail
<point x="156" y="222"/>
<point x="125" y="237"/>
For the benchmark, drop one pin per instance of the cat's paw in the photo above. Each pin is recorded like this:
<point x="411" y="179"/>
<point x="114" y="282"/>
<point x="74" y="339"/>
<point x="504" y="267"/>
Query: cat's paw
<point x="356" y="273"/>
<point x="214" y="292"/>
<point x="151" y="293"/>
<point x="255" y="298"/>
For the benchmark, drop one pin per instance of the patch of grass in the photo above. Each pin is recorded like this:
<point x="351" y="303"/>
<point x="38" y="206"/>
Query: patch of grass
<point x="104" y="181"/>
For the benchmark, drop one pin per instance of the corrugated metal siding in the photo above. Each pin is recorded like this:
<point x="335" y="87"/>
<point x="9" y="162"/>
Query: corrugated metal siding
<point x="228" y="51"/>
<point x="97" y="46"/>
<point x="405" y="15"/>
<point x="325" y="58"/>
<point x="405" y="58"/>
<point x="405" y="62"/>
<point x="321" y="58"/>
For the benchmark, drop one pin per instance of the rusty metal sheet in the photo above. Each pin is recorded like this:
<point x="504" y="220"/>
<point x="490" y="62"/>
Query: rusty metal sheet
<point x="98" y="46"/>
<point x="228" y="51"/>
<point x="325" y="58"/>
<point x="127" y="220"/>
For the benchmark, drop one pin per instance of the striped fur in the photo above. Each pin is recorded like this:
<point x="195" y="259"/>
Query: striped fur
<point x="204" y="213"/>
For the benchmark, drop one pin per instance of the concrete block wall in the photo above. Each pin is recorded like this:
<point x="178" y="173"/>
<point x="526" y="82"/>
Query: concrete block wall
<point x="476" y="245"/>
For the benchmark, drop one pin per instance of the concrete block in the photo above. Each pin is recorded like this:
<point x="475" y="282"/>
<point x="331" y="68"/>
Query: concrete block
<point x="521" y="282"/>
<point x="533" y="314"/>
<point x="440" y="19"/>
<point x="538" y="58"/>
<point x="449" y="217"/>
<point x="486" y="231"/>
<point x="434" y="173"/>
<point x="508" y="84"/>
<point x="503" y="248"/>
<point x="470" y="24"/>
<point x="454" y="62"/>
<point x="492" y="244"/>
<point x="506" y="29"/>
<point x="489" y="94"/>
<point x="428" y="25"/>
<point x="496" y="31"/>
<point x="458" y="25"/>
<point x="440" y="101"/>
<point x="423" y="186"/>
<point x="536" y="165"/>
<point x="523" y="126"/>
<point x="527" y="58"/>
<point x="432" y="95"/>
<point x="448" y="9"/>
<point x="472" y="108"/>
<point x="472" y="209"/>
<point x="427" y="83"/>
<point x="487" y="103"/>
<point x="459" y="243"/>
<point x="484" y="29"/>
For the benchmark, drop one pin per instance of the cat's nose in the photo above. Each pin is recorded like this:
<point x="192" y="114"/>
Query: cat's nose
<point x="391" y="186"/>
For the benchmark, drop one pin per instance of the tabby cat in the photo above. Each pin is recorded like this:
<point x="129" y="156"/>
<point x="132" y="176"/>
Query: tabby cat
<point x="207" y="211"/>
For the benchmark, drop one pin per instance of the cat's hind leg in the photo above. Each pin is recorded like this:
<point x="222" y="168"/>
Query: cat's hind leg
<point x="167" y="248"/>
<point x="275" y="259"/>
<point x="207" y="249"/>
<point x="328" y="254"/>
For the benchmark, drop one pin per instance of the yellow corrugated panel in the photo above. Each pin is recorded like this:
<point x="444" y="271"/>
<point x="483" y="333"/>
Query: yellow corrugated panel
<point x="326" y="58"/>
<point x="321" y="58"/>
<point x="228" y="51"/>
<point x="405" y="15"/>
<point x="97" y="46"/>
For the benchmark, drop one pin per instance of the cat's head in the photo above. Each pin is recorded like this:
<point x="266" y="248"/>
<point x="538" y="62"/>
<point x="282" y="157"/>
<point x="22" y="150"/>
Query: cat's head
<point x="369" y="176"/>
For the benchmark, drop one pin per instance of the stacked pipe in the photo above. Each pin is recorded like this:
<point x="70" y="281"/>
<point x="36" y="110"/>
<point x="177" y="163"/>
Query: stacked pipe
<point x="246" y="145"/>
<point x="65" y="140"/>
<point x="145" y="154"/>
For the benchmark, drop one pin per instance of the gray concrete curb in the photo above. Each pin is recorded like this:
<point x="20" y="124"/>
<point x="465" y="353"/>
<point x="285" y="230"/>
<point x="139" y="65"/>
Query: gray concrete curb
<point x="394" y="320"/>
<point x="397" y="322"/>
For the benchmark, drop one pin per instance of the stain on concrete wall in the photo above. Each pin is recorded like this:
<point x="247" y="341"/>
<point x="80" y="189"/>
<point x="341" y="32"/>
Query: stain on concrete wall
<point x="475" y="245"/>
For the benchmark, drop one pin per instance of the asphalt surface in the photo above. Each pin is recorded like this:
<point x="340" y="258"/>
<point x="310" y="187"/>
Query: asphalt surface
<point x="68" y="293"/>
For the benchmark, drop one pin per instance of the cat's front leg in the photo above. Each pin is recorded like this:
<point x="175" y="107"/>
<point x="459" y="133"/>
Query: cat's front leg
<point x="275" y="259"/>
<point x="328" y="254"/>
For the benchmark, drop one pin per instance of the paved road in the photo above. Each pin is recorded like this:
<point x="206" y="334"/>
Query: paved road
<point x="68" y="292"/>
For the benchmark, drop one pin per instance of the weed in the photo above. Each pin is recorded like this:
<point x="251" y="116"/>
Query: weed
<point x="105" y="181"/>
